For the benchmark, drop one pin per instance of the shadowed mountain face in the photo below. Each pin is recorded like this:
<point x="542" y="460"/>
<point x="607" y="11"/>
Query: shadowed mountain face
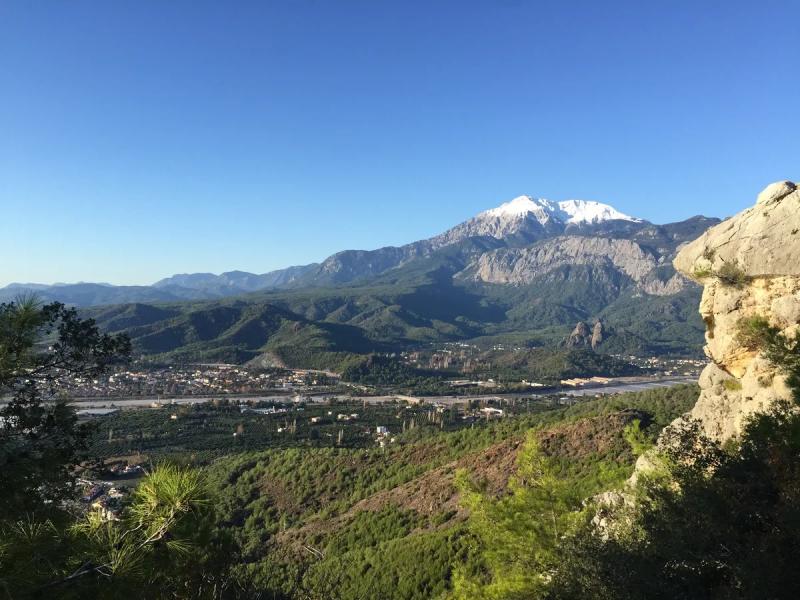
<point x="528" y="270"/>
<point x="233" y="282"/>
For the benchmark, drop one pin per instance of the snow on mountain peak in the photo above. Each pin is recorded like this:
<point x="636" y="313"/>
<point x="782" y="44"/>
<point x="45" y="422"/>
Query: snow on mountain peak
<point x="567" y="212"/>
<point x="587" y="211"/>
<point x="543" y="210"/>
<point x="519" y="206"/>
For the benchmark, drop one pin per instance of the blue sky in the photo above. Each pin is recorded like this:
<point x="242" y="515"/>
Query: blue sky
<point x="145" y="138"/>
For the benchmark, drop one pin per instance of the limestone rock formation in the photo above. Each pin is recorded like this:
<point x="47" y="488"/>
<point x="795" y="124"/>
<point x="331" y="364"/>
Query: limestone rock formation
<point x="597" y="334"/>
<point x="585" y="337"/>
<point x="749" y="266"/>
<point x="630" y="261"/>
<point x="580" y="336"/>
<point x="522" y="265"/>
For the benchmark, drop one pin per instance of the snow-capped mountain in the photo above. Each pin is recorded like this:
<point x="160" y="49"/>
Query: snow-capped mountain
<point x="588" y="211"/>
<point x="566" y="212"/>
<point x="527" y="219"/>
<point x="541" y="208"/>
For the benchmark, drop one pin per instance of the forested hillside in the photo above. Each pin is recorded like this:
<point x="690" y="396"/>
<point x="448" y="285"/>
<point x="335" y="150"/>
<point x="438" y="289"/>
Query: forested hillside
<point x="325" y="327"/>
<point x="341" y="523"/>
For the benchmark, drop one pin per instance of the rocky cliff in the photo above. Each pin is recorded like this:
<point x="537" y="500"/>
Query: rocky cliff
<point x="637" y="263"/>
<point x="749" y="266"/>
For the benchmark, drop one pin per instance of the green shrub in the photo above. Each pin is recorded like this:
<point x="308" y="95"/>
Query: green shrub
<point x="732" y="385"/>
<point x="700" y="273"/>
<point x="636" y="438"/>
<point x="730" y="273"/>
<point x="754" y="333"/>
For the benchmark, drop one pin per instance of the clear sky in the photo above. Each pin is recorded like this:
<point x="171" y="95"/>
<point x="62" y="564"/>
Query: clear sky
<point x="145" y="138"/>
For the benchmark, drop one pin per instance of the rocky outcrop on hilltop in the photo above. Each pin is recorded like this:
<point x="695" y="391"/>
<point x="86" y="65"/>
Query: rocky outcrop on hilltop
<point x="584" y="337"/>
<point x="749" y="266"/>
<point x="750" y="269"/>
<point x="597" y="334"/>
<point x="580" y="336"/>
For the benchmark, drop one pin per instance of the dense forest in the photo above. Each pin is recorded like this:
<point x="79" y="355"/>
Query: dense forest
<point x="336" y="523"/>
<point x="540" y="364"/>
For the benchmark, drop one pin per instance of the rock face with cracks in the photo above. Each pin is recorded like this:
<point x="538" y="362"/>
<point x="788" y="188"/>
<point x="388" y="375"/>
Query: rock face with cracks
<point x="749" y="266"/>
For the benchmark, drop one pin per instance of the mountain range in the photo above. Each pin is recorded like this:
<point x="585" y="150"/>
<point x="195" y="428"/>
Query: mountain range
<point x="526" y="270"/>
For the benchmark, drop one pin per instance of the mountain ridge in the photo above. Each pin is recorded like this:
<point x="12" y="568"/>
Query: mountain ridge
<point x="428" y="300"/>
<point x="525" y="272"/>
<point x="519" y="222"/>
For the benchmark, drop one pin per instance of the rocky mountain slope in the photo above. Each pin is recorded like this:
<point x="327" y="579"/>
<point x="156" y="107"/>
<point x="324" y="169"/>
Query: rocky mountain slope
<point x="522" y="266"/>
<point x="521" y="221"/>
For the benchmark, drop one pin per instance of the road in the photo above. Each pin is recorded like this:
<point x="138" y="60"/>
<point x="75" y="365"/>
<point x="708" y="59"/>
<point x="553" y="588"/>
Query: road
<point x="614" y="387"/>
<point x="603" y="390"/>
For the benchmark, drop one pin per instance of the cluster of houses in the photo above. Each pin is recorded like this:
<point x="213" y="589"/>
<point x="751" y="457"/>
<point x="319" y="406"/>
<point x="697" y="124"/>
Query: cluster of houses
<point x="190" y="380"/>
<point x="667" y="365"/>
<point x="104" y="498"/>
<point x="269" y="410"/>
<point x="346" y="417"/>
<point x="383" y="436"/>
<point x="490" y="412"/>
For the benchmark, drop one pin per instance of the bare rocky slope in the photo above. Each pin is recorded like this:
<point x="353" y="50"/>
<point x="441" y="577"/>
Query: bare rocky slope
<point x="522" y="266"/>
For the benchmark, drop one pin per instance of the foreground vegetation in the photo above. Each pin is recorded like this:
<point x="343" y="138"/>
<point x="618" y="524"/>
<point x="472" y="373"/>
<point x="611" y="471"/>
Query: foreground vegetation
<point x="485" y="509"/>
<point x="706" y="521"/>
<point x="338" y="522"/>
<point x="308" y="518"/>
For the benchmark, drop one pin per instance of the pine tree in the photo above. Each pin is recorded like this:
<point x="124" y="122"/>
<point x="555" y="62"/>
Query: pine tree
<point x="518" y="534"/>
